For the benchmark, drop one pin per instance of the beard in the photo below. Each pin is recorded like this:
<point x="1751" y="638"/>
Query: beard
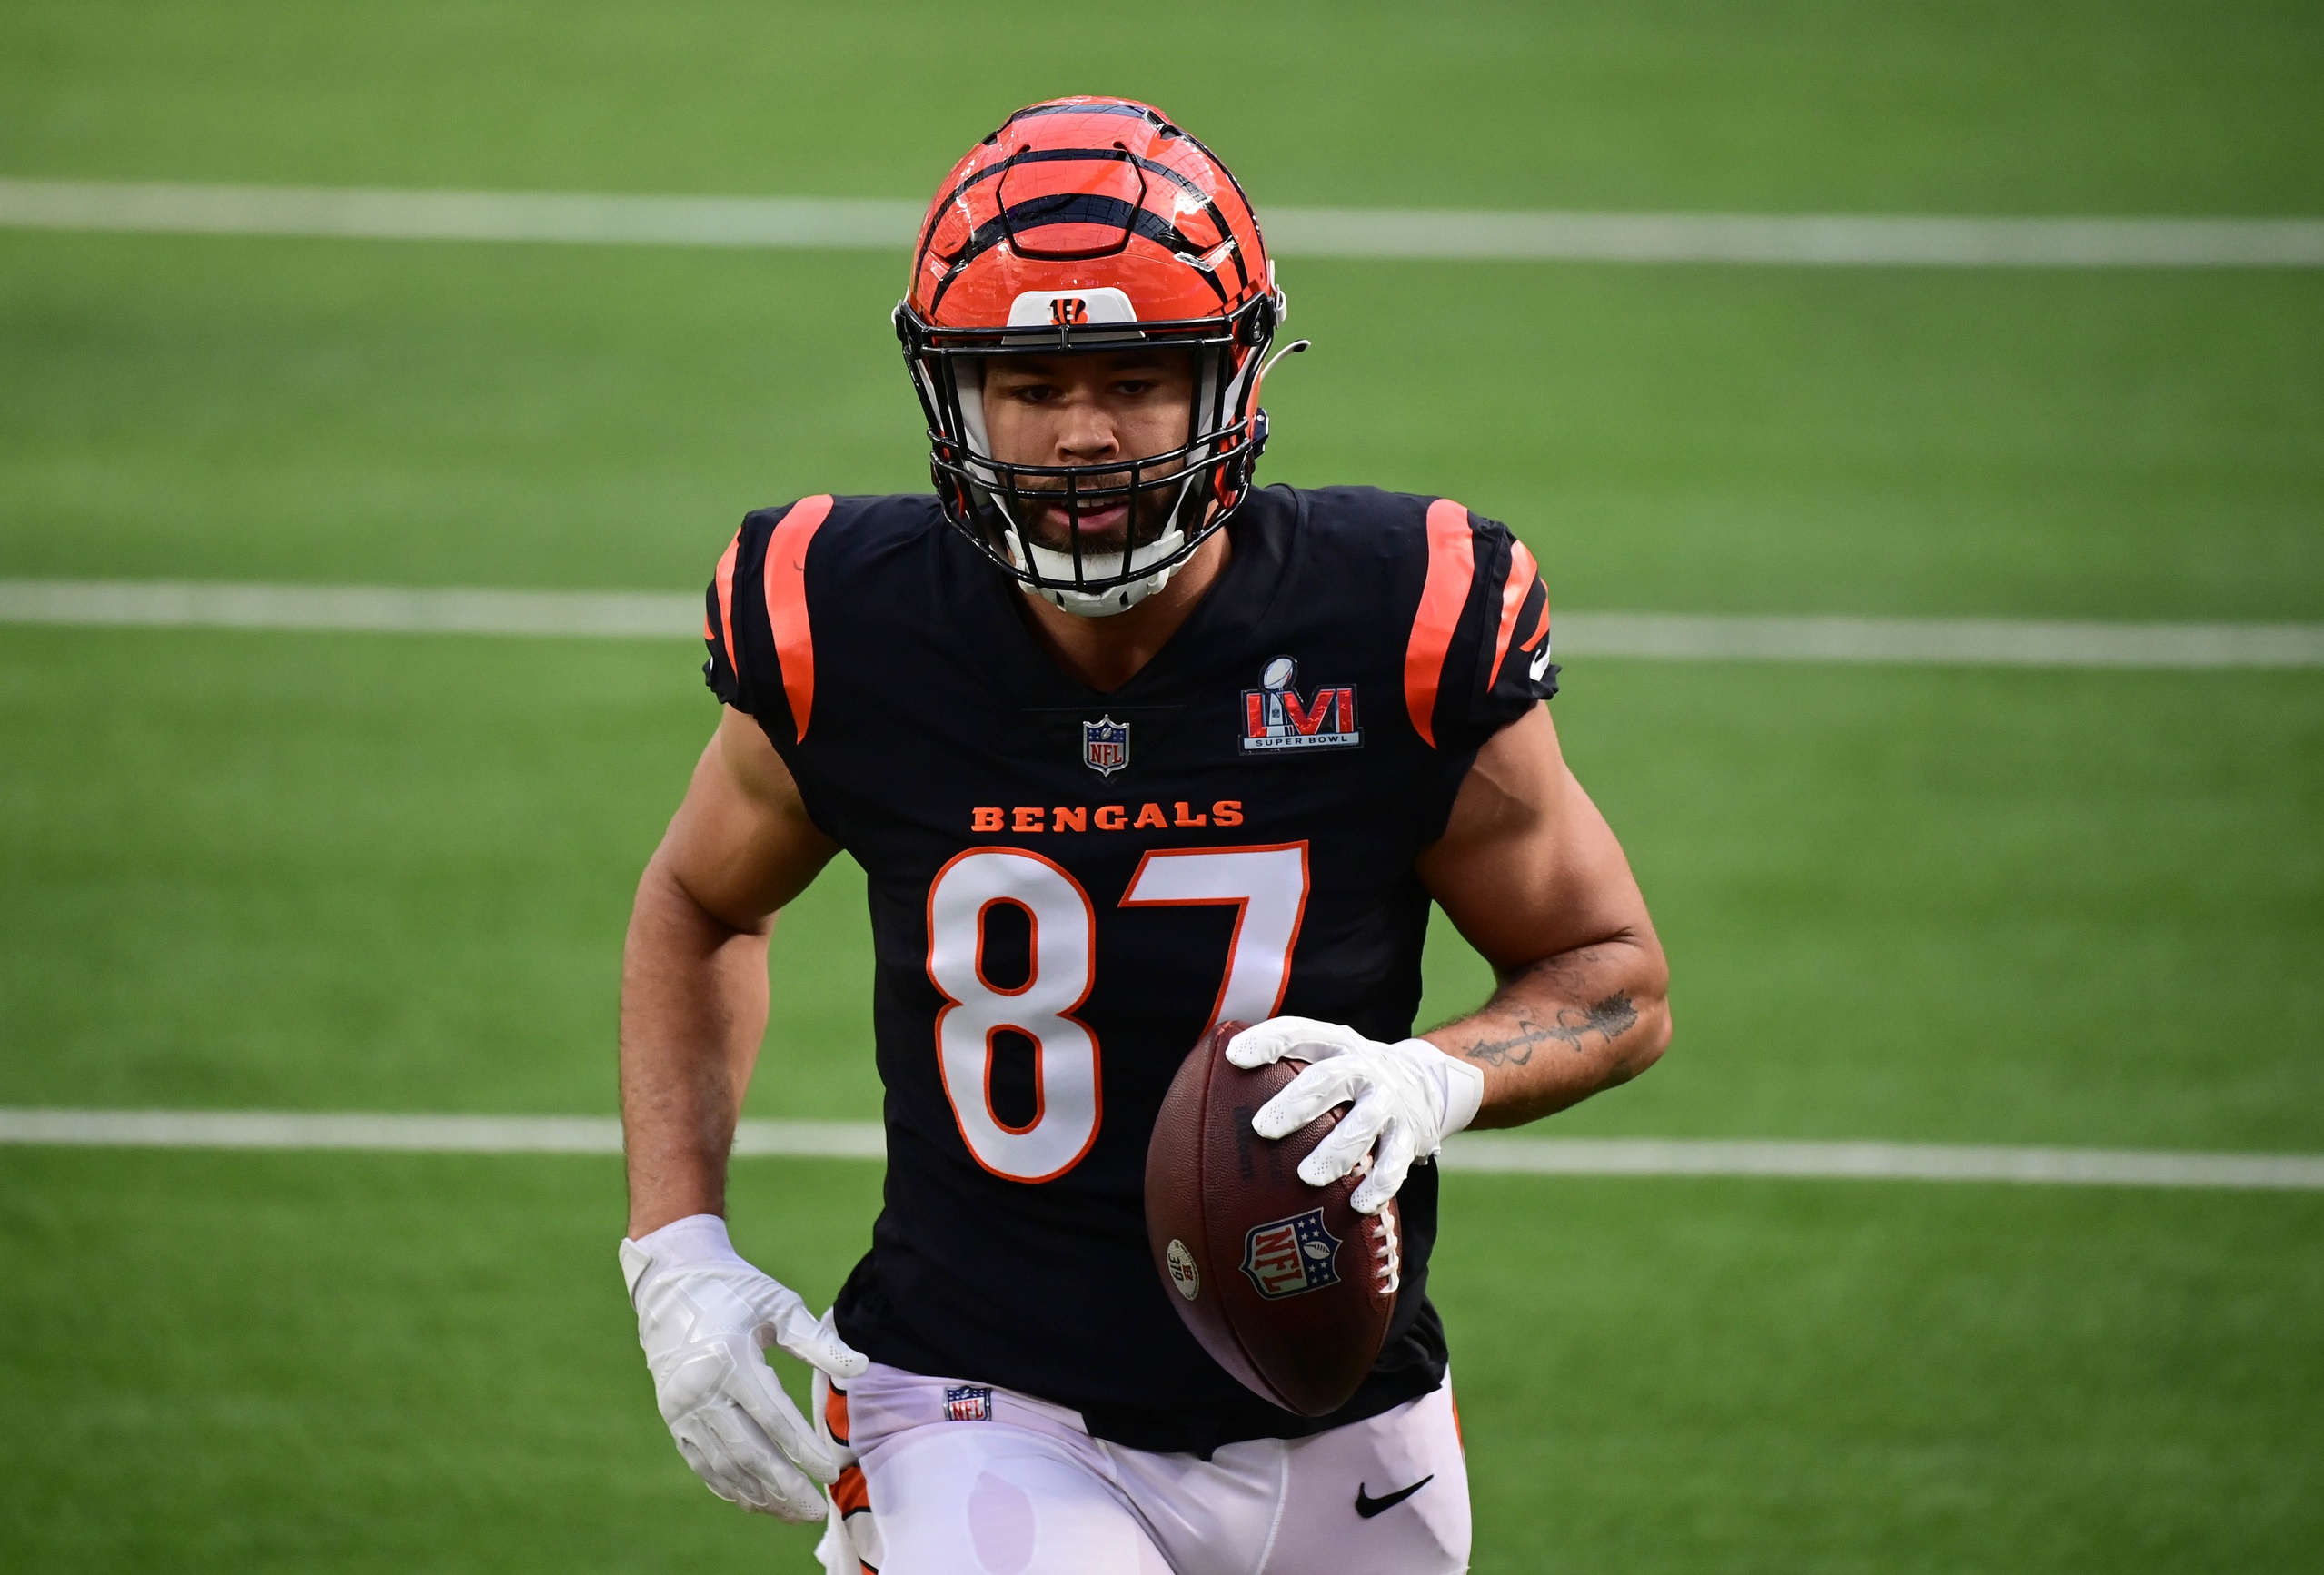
<point x="1112" y="524"/>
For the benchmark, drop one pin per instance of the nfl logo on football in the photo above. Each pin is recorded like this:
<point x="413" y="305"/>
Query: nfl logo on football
<point x="972" y="1404"/>
<point x="1286" y="1257"/>
<point x="1104" y="745"/>
<point x="1275" y="718"/>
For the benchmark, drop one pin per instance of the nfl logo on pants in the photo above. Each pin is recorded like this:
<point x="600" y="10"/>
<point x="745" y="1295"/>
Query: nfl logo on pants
<point x="1104" y="745"/>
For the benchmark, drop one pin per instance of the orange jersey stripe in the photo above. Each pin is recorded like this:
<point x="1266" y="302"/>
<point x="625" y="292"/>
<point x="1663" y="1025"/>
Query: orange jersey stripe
<point x="1451" y="563"/>
<point x="835" y="1413"/>
<point x="851" y="1492"/>
<point x="787" y="602"/>
<point x="1523" y="572"/>
<point x="724" y="633"/>
<point x="1539" y="632"/>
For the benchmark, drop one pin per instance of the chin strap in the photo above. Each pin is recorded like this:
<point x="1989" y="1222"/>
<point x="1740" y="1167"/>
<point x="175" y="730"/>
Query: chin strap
<point x="1113" y="598"/>
<point x="1106" y="604"/>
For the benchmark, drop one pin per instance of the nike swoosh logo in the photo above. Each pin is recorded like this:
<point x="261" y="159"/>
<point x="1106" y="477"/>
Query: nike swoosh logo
<point x="1541" y="661"/>
<point x="1367" y="1506"/>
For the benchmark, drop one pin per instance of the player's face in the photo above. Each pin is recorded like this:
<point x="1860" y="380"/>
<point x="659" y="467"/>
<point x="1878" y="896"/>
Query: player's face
<point x="1091" y="409"/>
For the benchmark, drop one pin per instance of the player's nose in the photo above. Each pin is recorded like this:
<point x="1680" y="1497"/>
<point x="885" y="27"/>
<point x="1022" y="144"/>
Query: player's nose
<point x="1087" y="434"/>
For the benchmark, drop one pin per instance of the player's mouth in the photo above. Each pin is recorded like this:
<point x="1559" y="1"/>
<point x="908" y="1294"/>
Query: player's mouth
<point x="1089" y="521"/>
<point x="1058" y="522"/>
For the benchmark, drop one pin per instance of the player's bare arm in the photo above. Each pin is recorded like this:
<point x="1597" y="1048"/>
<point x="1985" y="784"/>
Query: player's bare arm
<point x="694" y="970"/>
<point x="693" y="1010"/>
<point x="1531" y="874"/>
<point x="1527" y="870"/>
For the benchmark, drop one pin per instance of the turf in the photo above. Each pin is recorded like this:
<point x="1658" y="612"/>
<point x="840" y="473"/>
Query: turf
<point x="381" y="873"/>
<point x="360" y="1363"/>
<point x="348" y="1362"/>
<point x="367" y="873"/>
<point x="1771" y="1377"/>
<point x="1972" y="106"/>
<point x="1769" y="440"/>
<point x="312" y="872"/>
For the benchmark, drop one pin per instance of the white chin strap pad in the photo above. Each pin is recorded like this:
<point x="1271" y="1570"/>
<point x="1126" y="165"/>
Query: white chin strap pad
<point x="1053" y="564"/>
<point x="1105" y="604"/>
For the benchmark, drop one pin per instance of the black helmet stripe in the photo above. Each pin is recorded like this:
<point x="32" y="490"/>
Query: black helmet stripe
<point x="1068" y="208"/>
<point x="1056" y="155"/>
<point x="1175" y="177"/>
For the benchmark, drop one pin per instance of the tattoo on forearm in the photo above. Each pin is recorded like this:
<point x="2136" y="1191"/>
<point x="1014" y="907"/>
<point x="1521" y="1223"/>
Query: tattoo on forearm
<point x="1610" y="1019"/>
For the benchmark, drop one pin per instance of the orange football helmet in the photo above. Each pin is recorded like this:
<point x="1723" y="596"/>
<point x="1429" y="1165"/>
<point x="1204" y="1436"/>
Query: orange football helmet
<point x="1086" y="225"/>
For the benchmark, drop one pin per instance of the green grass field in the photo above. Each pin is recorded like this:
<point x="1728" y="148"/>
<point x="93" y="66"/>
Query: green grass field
<point x="305" y="871"/>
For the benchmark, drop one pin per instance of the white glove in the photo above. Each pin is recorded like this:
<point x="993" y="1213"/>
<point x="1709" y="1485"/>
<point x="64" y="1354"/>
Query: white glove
<point x="1410" y="1096"/>
<point x="704" y="1317"/>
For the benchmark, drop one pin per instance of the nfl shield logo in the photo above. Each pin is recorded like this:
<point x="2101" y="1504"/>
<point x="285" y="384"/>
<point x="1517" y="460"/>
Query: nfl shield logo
<point x="969" y="1402"/>
<point x="1285" y="1257"/>
<point x="1104" y="745"/>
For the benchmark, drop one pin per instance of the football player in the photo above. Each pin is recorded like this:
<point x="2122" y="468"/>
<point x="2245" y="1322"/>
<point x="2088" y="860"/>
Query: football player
<point x="1127" y="746"/>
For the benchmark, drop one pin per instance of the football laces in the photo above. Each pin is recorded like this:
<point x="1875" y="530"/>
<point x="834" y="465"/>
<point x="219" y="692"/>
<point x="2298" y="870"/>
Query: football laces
<point x="1387" y="1251"/>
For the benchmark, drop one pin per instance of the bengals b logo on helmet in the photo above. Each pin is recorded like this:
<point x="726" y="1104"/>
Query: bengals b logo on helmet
<point x="1069" y="311"/>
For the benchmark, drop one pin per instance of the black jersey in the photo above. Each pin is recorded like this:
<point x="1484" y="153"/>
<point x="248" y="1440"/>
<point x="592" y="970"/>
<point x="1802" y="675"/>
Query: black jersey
<point x="1066" y="888"/>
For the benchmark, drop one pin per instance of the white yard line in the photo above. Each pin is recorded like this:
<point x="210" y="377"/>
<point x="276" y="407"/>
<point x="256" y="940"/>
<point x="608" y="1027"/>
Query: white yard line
<point x="412" y="1133"/>
<point x="1810" y="239"/>
<point x="1881" y="1161"/>
<point x="162" y="604"/>
<point x="1983" y="641"/>
<point x="391" y="215"/>
<point x="623" y="615"/>
<point x="1470" y="1152"/>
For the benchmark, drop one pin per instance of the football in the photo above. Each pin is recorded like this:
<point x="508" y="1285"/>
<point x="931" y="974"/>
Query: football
<point x="1284" y="1285"/>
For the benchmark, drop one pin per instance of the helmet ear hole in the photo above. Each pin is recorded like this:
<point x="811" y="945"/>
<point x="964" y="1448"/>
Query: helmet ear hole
<point x="1257" y="326"/>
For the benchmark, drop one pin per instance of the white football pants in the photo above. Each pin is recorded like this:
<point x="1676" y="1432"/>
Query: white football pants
<point x="956" y="1479"/>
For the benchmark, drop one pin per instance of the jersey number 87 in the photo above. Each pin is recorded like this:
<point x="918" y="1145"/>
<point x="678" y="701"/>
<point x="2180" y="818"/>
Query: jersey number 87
<point x="1266" y="886"/>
